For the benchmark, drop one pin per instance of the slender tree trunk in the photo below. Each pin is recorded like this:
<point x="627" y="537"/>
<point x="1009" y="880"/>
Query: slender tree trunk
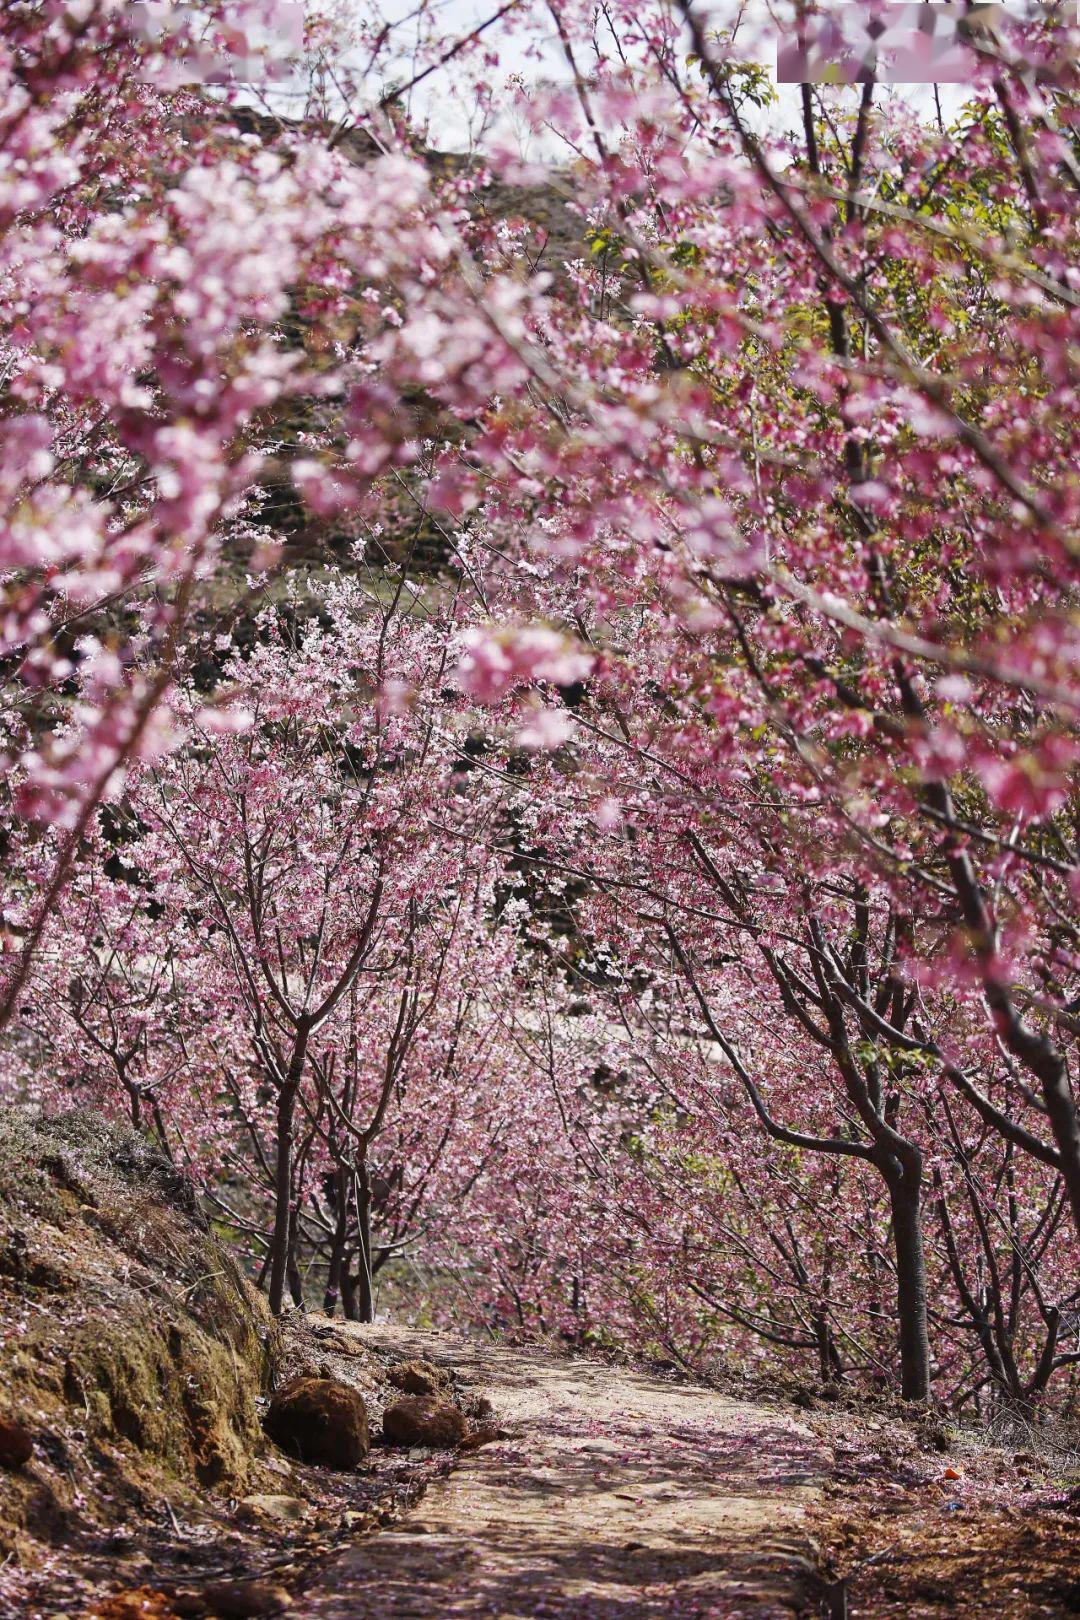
<point x="283" y="1168"/>
<point x="160" y="1131"/>
<point x="366" y="1300"/>
<point x="350" y="1308"/>
<point x="825" y="1350"/>
<point x="292" y="1269"/>
<point x="1050" y="1068"/>
<point x="336" y="1268"/>
<point x="279" y="1247"/>
<point x="905" y="1193"/>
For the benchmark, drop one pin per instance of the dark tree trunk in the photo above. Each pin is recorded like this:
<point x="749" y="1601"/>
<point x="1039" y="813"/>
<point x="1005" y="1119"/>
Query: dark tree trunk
<point x="279" y="1244"/>
<point x="365" y="1294"/>
<point x="828" y="1360"/>
<point x="159" y="1129"/>
<point x="292" y="1269"/>
<point x="905" y="1194"/>
<point x="1050" y="1068"/>
<point x="337" y="1266"/>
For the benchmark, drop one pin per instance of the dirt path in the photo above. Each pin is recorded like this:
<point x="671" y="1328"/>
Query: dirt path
<point x="621" y="1497"/>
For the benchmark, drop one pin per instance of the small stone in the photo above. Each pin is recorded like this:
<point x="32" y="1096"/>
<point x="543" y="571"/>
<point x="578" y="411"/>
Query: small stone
<point x="245" y="1600"/>
<point x="267" y="1507"/>
<point x="16" y="1445"/>
<point x="484" y="1435"/>
<point x="320" y="1420"/>
<point x="278" y="1465"/>
<point x="342" y="1345"/>
<point x="417" y="1377"/>
<point x="421" y="1420"/>
<point x="188" y="1603"/>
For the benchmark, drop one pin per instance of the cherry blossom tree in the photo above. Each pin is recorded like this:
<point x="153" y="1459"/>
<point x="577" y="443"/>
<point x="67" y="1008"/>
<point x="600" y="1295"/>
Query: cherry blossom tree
<point x="698" y="652"/>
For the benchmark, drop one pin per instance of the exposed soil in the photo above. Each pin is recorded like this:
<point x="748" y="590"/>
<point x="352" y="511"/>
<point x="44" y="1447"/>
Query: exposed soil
<point x="139" y="1362"/>
<point x="621" y="1495"/>
<point x="925" y="1520"/>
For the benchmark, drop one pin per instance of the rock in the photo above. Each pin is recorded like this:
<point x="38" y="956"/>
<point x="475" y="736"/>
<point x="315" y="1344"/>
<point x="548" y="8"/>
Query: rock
<point x="16" y="1445"/>
<point x="269" y="1508"/>
<point x="353" y="1522"/>
<point x="278" y="1465"/>
<point x="320" y="1420"/>
<point x="245" y="1600"/>
<point x="189" y="1603"/>
<point x="338" y="1340"/>
<point x="484" y="1435"/>
<point x="417" y="1377"/>
<point x="421" y="1420"/>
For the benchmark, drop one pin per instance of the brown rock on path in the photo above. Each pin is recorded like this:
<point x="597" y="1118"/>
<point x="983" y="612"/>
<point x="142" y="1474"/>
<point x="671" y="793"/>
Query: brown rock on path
<point x="417" y="1377"/>
<point x="245" y="1600"/>
<point x="272" y="1508"/>
<point x="320" y="1420"/>
<point x="623" y="1496"/>
<point x="421" y="1420"/>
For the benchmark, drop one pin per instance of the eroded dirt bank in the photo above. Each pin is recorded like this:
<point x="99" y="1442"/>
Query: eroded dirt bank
<point x="619" y="1496"/>
<point x="135" y="1367"/>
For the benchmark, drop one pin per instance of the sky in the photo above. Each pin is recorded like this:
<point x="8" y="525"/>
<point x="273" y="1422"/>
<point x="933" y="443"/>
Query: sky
<point x="453" y="119"/>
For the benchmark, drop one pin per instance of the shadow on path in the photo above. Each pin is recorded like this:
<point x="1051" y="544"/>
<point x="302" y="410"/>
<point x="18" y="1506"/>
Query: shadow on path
<point x="624" y="1497"/>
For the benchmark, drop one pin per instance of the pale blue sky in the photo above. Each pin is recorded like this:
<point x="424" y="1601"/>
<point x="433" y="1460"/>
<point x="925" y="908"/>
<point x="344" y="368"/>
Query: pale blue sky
<point x="454" y="119"/>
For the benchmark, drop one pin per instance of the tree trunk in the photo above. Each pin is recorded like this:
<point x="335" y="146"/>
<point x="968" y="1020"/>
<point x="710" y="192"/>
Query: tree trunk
<point x="337" y="1265"/>
<point x="292" y="1269"/>
<point x="350" y="1308"/>
<point x="279" y="1246"/>
<point x="365" y="1301"/>
<point x="1050" y="1068"/>
<point x="905" y="1194"/>
<point x="826" y="1351"/>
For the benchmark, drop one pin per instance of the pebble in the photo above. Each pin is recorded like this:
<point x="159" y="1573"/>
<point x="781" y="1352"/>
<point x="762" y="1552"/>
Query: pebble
<point x="245" y="1600"/>
<point x="279" y="1509"/>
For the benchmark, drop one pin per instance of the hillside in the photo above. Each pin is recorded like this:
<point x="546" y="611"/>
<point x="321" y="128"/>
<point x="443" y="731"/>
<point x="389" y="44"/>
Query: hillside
<point x="135" y="1362"/>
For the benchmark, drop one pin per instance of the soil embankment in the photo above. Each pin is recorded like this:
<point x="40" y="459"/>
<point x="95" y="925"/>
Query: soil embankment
<point x="136" y="1365"/>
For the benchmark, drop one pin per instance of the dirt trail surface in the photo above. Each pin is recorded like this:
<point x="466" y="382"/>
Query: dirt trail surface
<point x="617" y="1496"/>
